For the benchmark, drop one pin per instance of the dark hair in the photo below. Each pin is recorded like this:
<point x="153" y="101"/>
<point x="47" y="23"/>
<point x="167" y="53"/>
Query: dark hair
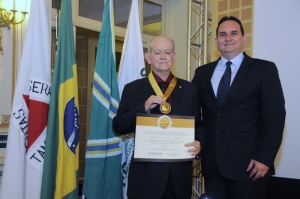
<point x="232" y="18"/>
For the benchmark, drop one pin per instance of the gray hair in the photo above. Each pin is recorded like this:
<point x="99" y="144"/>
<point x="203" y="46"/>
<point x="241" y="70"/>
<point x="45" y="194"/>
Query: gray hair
<point x="151" y="39"/>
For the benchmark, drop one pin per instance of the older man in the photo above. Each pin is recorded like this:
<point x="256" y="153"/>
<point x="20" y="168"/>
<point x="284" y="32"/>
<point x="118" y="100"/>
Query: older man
<point x="156" y="180"/>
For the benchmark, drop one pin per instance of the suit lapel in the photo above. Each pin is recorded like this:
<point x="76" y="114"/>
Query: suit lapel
<point x="239" y="77"/>
<point x="208" y="76"/>
<point x="177" y="95"/>
<point x="148" y="92"/>
<point x="148" y="88"/>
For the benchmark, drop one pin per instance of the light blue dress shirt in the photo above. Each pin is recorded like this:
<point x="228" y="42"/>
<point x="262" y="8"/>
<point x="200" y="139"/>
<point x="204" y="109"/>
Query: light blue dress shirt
<point x="220" y="69"/>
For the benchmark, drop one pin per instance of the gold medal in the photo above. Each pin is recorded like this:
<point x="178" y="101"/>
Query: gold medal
<point x="165" y="108"/>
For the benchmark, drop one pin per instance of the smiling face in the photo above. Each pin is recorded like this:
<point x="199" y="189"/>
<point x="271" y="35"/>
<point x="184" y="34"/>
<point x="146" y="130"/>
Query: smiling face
<point x="161" y="55"/>
<point x="230" y="40"/>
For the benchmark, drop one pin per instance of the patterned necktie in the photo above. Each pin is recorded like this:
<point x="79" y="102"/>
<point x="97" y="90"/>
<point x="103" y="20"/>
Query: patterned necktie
<point x="224" y="84"/>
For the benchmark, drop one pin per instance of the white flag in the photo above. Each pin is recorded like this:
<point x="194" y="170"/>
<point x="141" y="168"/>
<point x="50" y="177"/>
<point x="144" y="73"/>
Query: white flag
<point x="24" y="159"/>
<point x="132" y="67"/>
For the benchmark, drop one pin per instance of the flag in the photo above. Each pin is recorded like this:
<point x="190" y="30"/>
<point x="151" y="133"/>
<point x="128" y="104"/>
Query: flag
<point x="24" y="159"/>
<point x="60" y="176"/>
<point x="102" y="177"/>
<point x="132" y="67"/>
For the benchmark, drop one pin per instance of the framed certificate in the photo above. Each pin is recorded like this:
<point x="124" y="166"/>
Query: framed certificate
<point x="161" y="138"/>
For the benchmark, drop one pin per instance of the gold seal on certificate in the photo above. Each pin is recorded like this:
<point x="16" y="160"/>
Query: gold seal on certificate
<point x="165" y="108"/>
<point x="164" y="122"/>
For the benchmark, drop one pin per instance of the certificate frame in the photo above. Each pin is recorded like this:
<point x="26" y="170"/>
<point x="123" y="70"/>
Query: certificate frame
<point x="161" y="138"/>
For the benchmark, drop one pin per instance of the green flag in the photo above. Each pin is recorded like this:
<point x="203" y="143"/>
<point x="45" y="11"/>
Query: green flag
<point x="60" y="175"/>
<point x="102" y="177"/>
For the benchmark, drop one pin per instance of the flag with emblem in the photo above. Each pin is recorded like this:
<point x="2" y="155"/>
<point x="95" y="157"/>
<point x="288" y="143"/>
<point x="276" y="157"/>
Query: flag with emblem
<point x="102" y="177"/>
<point x="132" y="67"/>
<point x="60" y="176"/>
<point x="24" y="159"/>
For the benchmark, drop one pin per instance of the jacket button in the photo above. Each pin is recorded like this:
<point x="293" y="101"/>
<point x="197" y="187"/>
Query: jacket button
<point x="218" y="132"/>
<point x="219" y="114"/>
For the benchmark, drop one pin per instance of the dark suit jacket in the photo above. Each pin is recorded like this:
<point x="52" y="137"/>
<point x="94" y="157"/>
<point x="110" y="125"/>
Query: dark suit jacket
<point x="148" y="180"/>
<point x="250" y="123"/>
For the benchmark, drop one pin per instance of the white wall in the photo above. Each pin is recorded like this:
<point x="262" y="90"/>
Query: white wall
<point x="177" y="28"/>
<point x="276" y="38"/>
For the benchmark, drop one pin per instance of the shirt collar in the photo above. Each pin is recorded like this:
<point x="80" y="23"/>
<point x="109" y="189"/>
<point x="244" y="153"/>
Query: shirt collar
<point x="235" y="61"/>
<point x="159" y="80"/>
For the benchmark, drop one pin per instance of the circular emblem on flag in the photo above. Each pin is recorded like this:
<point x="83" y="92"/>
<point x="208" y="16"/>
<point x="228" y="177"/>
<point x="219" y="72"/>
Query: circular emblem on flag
<point x="71" y="125"/>
<point x="143" y="72"/>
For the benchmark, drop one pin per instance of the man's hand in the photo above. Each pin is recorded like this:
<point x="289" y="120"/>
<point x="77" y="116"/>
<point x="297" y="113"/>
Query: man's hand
<point x="196" y="149"/>
<point x="259" y="170"/>
<point x="153" y="101"/>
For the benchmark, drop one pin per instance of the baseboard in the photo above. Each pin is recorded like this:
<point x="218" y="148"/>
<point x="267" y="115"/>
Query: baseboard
<point x="283" y="188"/>
<point x="278" y="188"/>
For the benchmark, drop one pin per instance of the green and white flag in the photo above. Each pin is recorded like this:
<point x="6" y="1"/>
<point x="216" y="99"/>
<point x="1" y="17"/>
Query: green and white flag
<point x="102" y="177"/>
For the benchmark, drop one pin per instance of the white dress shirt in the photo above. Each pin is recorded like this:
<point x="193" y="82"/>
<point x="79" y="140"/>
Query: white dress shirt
<point x="220" y="69"/>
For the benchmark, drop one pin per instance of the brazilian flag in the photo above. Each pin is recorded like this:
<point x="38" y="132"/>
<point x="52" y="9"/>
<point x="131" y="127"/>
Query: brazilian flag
<point x="60" y="174"/>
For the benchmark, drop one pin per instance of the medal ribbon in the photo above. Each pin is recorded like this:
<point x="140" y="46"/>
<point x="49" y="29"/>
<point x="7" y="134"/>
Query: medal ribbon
<point x="157" y="89"/>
